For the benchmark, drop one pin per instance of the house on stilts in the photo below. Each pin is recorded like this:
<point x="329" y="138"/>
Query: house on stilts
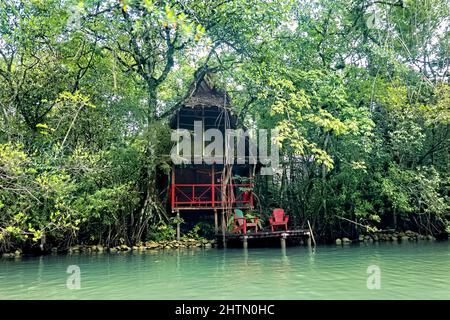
<point x="220" y="183"/>
<point x="208" y="181"/>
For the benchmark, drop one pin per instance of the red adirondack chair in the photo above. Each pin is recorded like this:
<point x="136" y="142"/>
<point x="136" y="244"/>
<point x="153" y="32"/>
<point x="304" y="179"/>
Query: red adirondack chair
<point x="241" y="223"/>
<point x="278" y="218"/>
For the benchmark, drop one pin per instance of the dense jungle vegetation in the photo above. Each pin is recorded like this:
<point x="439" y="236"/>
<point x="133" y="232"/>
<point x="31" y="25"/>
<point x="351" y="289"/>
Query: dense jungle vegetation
<point x="359" y="90"/>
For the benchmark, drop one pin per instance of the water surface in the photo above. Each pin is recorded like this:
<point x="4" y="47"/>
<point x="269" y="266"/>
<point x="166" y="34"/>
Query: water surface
<point x="414" y="270"/>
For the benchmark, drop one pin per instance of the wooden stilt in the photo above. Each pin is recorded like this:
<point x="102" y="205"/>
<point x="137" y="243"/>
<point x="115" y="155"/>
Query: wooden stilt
<point x="178" y="225"/>
<point x="216" y="222"/>
<point x="245" y="242"/>
<point x="224" y="228"/>
<point x="311" y="234"/>
<point x="283" y="242"/>
<point x="308" y="241"/>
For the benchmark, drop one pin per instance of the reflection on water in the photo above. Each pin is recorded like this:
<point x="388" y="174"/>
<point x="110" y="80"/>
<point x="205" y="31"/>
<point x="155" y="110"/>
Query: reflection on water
<point x="418" y="270"/>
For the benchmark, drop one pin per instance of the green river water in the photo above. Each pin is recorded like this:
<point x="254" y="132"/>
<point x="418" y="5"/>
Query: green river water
<point x="413" y="270"/>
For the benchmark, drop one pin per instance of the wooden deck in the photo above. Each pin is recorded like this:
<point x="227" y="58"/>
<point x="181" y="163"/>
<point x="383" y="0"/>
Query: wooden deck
<point x="299" y="233"/>
<point x="262" y="235"/>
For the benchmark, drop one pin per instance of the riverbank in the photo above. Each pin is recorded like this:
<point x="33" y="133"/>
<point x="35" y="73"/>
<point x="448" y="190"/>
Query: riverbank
<point x="149" y="245"/>
<point x="387" y="236"/>
<point x="380" y="236"/>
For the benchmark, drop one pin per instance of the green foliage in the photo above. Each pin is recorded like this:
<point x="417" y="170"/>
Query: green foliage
<point x="250" y="216"/>
<point x="193" y="233"/>
<point x="35" y="200"/>
<point x="162" y="232"/>
<point x="206" y="230"/>
<point x="415" y="191"/>
<point x="362" y="110"/>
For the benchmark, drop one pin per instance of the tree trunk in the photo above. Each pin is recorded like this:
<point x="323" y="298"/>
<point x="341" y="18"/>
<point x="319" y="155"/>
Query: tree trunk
<point x="151" y="209"/>
<point x="324" y="175"/>
<point x="152" y="103"/>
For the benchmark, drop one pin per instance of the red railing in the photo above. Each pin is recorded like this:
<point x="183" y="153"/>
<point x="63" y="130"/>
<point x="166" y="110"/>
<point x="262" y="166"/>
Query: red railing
<point x="210" y="195"/>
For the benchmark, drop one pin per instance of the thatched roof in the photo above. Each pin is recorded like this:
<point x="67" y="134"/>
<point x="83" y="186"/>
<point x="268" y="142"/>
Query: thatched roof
<point x="205" y="103"/>
<point x="206" y="95"/>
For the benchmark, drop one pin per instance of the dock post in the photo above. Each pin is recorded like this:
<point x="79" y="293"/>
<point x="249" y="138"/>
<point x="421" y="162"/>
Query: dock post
<point x="178" y="225"/>
<point x="311" y="233"/>
<point x="283" y="241"/>
<point x="245" y="242"/>
<point x="308" y="241"/>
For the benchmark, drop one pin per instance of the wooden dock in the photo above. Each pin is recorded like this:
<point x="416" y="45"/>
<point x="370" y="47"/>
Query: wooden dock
<point x="261" y="235"/>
